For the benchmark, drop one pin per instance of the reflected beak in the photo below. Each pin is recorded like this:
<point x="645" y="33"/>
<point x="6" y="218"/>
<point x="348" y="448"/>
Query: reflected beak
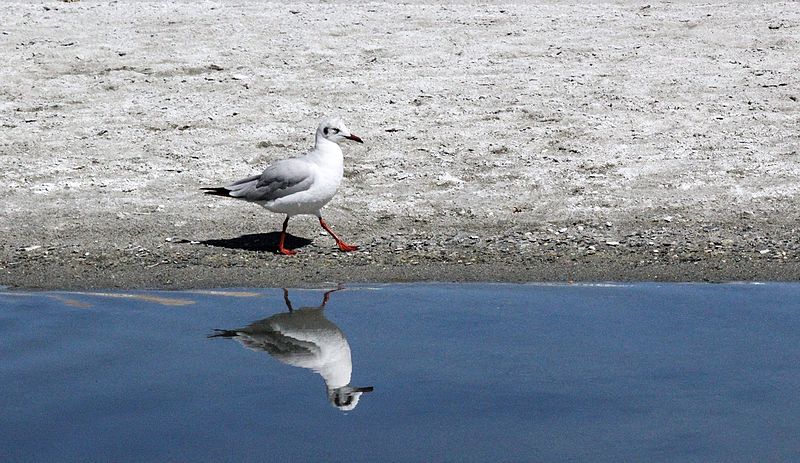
<point x="355" y="138"/>
<point x="364" y="389"/>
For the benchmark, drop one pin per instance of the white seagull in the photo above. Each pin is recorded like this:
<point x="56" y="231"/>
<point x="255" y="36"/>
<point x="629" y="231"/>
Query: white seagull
<point x="301" y="185"/>
<point x="305" y="338"/>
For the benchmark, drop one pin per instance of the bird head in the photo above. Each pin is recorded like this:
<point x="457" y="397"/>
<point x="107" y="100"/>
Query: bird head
<point x="345" y="398"/>
<point x="334" y="129"/>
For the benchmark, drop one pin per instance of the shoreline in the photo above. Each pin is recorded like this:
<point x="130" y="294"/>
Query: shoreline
<point x="309" y="274"/>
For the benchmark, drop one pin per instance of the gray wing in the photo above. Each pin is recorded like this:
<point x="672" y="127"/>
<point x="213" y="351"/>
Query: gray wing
<point x="278" y="345"/>
<point x="278" y="180"/>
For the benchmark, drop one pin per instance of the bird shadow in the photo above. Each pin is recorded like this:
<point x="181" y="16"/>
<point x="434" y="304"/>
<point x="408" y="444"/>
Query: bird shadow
<point x="265" y="242"/>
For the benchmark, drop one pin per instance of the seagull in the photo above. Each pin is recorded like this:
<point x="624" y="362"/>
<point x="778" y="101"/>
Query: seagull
<point x="305" y="338"/>
<point x="301" y="185"/>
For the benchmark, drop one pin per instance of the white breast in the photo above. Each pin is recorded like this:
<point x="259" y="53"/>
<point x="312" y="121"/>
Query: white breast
<point x="327" y="164"/>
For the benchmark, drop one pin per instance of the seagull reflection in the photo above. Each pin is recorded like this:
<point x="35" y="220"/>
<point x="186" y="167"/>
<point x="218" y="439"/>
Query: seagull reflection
<point x="305" y="338"/>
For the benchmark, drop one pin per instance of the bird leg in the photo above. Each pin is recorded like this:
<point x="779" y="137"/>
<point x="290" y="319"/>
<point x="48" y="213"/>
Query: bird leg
<point x="327" y="295"/>
<point x="286" y="299"/>
<point x="281" y="249"/>
<point x="342" y="245"/>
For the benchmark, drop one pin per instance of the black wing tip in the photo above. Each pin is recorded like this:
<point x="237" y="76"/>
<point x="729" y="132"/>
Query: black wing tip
<point x="216" y="191"/>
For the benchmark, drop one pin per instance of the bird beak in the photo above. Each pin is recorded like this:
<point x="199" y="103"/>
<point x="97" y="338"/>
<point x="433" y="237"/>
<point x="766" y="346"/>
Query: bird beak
<point x="355" y="138"/>
<point x="364" y="389"/>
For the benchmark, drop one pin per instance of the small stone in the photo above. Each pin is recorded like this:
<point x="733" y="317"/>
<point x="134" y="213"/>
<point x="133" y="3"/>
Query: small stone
<point x="612" y="243"/>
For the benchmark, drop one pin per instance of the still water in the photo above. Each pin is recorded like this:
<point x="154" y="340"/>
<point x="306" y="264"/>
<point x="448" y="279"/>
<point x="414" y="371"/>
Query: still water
<point x="428" y="372"/>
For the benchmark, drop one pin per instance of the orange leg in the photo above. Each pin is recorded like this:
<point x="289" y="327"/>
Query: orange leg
<point x="281" y="249"/>
<point x="342" y="245"/>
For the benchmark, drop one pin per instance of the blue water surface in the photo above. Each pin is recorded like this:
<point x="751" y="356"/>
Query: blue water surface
<point x="422" y="372"/>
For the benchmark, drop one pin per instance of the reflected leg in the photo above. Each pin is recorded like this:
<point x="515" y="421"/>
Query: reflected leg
<point x="327" y="295"/>
<point x="286" y="299"/>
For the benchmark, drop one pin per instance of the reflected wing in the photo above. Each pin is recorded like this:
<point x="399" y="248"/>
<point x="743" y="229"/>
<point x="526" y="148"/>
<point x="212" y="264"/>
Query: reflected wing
<point x="278" y="345"/>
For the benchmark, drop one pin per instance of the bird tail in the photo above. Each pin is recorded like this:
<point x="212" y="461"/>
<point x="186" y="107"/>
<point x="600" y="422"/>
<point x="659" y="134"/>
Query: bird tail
<point x="217" y="191"/>
<point x="238" y="189"/>
<point x="223" y="334"/>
